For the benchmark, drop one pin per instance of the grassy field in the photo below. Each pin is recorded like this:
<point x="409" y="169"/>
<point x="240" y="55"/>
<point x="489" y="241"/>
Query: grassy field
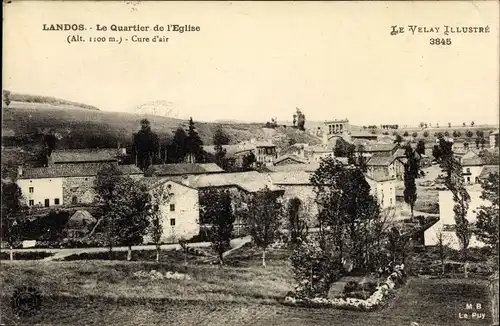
<point x="98" y="292"/>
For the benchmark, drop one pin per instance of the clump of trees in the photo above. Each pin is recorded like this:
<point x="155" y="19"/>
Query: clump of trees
<point x="299" y="120"/>
<point x="146" y="145"/>
<point x="353" y="231"/>
<point x="486" y="228"/>
<point x="186" y="146"/>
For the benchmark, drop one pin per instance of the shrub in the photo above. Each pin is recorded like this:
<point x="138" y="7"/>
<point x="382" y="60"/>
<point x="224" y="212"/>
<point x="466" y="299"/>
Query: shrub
<point x="315" y="269"/>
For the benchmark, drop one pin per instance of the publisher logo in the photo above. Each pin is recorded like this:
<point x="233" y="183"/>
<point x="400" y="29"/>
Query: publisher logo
<point x="26" y="301"/>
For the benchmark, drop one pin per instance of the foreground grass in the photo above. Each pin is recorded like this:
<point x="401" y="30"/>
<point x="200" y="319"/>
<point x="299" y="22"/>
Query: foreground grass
<point x="99" y="292"/>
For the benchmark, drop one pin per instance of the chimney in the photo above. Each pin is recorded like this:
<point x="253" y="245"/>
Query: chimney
<point x="19" y="171"/>
<point x="185" y="180"/>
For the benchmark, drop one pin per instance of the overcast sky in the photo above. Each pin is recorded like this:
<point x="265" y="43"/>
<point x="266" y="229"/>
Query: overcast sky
<point x="253" y="61"/>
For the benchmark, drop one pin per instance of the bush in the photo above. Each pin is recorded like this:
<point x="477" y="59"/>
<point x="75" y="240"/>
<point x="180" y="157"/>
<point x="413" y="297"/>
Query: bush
<point x="315" y="269"/>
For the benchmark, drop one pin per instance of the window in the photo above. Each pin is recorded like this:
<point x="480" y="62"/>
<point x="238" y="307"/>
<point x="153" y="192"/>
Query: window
<point x="47" y="202"/>
<point x="468" y="170"/>
<point x="74" y="200"/>
<point x="172" y="207"/>
<point x="31" y="202"/>
<point x="172" y="222"/>
<point x="31" y="190"/>
<point x="56" y="201"/>
<point x="468" y="179"/>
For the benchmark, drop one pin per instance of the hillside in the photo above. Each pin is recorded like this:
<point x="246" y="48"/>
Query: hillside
<point x="24" y="123"/>
<point x="48" y="100"/>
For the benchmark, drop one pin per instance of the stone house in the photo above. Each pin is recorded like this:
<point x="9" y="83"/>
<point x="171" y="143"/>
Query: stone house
<point x="64" y="184"/>
<point x="472" y="166"/>
<point x="383" y="187"/>
<point x="289" y="159"/>
<point x="180" y="213"/>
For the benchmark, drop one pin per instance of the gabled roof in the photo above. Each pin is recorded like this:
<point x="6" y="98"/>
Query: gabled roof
<point x="487" y="170"/>
<point x="153" y="182"/>
<point x="73" y="170"/>
<point x="380" y="160"/>
<point x="379" y="147"/>
<point x="362" y="134"/>
<point x="183" y="169"/>
<point x="292" y="157"/>
<point x="378" y="177"/>
<point x="250" y="181"/>
<point x="308" y="167"/>
<point x="291" y="178"/>
<point x="472" y="161"/>
<point x="231" y="150"/>
<point x="84" y="155"/>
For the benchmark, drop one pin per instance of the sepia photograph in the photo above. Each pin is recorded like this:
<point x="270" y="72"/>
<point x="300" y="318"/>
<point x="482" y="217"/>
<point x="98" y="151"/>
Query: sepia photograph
<point x="250" y="163"/>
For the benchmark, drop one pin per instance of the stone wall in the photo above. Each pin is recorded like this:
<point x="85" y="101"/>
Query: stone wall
<point x="80" y="187"/>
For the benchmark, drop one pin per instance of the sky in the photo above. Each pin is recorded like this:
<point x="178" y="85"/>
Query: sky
<point x="254" y="61"/>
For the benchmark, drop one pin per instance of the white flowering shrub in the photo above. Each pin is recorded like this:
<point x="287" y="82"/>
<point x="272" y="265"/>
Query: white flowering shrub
<point x="377" y="299"/>
<point x="155" y="275"/>
<point x="315" y="269"/>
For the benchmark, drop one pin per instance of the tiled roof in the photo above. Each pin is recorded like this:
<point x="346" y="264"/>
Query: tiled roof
<point x="73" y="170"/>
<point x="362" y="134"/>
<point x="183" y="168"/>
<point x="379" y="147"/>
<point x="319" y="149"/>
<point x="472" y="161"/>
<point x="379" y="177"/>
<point x="290" y="157"/>
<point x="84" y="155"/>
<point x="309" y="167"/>
<point x="487" y="170"/>
<point x="380" y="160"/>
<point x="291" y="178"/>
<point x="251" y="181"/>
<point x="231" y="150"/>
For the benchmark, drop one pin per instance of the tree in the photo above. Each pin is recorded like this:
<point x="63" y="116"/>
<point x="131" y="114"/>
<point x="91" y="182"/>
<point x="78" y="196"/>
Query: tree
<point x="477" y="143"/>
<point x="146" y="145"/>
<point x="6" y="98"/>
<point x="440" y="239"/>
<point x="129" y="210"/>
<point x="217" y="211"/>
<point x="346" y="208"/>
<point x="12" y="214"/>
<point x="410" y="174"/>
<point x="398" y="139"/>
<point x="446" y="133"/>
<point x="159" y="196"/>
<point x="301" y="119"/>
<point x="420" y="147"/>
<point x="455" y="134"/>
<point x="469" y="133"/>
<point x="405" y="133"/>
<point x="425" y="125"/>
<point x="454" y="181"/>
<point x="193" y="144"/>
<point x="414" y="134"/>
<point x="463" y="124"/>
<point x="264" y="218"/>
<point x="483" y="142"/>
<point x="422" y="124"/>
<point x="248" y="161"/>
<point x="220" y="139"/>
<point x="472" y="123"/>
<point x="426" y="133"/>
<point x="108" y="176"/>
<point x="449" y="124"/>
<point x="487" y="216"/>
<point x="179" y="145"/>
<point x="480" y="133"/>
<point x="297" y="226"/>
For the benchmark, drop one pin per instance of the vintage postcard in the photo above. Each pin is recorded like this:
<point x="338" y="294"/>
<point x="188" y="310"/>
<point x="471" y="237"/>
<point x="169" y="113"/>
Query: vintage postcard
<point x="250" y="163"/>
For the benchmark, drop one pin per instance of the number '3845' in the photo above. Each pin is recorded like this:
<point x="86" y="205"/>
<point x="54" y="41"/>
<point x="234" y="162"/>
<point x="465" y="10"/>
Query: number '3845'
<point x="440" y="41"/>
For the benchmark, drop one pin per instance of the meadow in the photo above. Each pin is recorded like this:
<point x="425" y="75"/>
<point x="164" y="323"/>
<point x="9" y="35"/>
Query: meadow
<point x="106" y="292"/>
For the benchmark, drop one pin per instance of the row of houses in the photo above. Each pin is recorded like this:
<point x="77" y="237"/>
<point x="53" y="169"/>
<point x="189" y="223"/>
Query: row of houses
<point x="70" y="183"/>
